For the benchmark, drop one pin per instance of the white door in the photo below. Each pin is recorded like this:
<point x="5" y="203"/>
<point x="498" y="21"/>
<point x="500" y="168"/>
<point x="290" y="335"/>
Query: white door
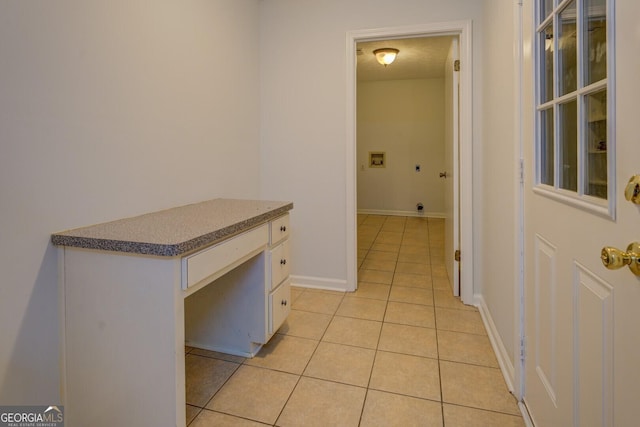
<point x="452" y="223"/>
<point x="582" y="321"/>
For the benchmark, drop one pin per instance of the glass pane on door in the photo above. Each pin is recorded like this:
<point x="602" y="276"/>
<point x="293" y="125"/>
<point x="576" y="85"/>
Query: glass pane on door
<point x="596" y="144"/>
<point x="547" y="149"/>
<point x="595" y="42"/>
<point x="567" y="49"/>
<point x="568" y="145"/>
<point x="546" y="66"/>
<point x="572" y="81"/>
<point x="547" y="8"/>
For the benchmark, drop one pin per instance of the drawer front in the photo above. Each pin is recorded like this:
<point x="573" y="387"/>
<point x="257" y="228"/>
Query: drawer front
<point x="280" y="304"/>
<point x="279" y="229"/>
<point x="209" y="261"/>
<point x="280" y="264"/>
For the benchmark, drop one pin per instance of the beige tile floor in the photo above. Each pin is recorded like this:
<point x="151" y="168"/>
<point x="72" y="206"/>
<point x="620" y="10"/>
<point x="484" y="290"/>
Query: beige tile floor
<point x="400" y="351"/>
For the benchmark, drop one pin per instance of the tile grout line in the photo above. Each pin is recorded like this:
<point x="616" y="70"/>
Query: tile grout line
<point x="333" y="315"/>
<point x="435" y="320"/>
<point x="375" y="354"/>
<point x="204" y="407"/>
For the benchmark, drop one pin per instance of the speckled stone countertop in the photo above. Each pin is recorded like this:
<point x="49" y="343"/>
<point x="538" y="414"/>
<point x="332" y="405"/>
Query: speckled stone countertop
<point x="176" y="231"/>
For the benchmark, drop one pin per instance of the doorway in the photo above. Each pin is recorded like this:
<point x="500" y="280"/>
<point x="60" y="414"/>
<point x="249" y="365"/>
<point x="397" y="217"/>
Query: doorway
<point x="461" y="31"/>
<point x="406" y="132"/>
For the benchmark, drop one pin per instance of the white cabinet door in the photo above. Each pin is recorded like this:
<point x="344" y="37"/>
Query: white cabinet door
<point x="280" y="229"/>
<point x="280" y="304"/>
<point x="280" y="263"/>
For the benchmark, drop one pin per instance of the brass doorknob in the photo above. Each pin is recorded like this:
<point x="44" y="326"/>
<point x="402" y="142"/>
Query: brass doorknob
<point x="632" y="190"/>
<point x="613" y="258"/>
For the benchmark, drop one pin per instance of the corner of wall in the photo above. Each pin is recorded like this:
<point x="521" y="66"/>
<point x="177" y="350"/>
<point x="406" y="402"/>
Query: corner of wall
<point x="505" y="363"/>
<point x="321" y="283"/>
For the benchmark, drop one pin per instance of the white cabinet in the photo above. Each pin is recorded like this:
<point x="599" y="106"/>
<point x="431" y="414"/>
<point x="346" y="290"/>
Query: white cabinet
<point x="248" y="301"/>
<point x="132" y="294"/>
<point x="279" y="268"/>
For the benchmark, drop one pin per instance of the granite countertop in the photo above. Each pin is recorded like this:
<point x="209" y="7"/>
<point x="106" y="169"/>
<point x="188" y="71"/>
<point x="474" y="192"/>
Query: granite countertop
<point x="175" y="231"/>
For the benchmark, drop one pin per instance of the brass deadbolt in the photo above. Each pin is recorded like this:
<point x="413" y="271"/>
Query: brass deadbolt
<point x="632" y="190"/>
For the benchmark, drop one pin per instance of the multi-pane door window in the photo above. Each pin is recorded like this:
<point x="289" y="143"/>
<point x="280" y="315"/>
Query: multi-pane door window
<point x="574" y="148"/>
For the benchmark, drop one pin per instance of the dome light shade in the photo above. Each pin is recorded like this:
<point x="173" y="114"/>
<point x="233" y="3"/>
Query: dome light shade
<point x="386" y="56"/>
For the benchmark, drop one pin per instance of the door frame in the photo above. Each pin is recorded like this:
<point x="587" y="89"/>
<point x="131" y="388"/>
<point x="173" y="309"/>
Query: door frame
<point x="463" y="29"/>
<point x="518" y="386"/>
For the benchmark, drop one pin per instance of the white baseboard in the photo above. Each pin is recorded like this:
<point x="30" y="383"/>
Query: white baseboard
<point x="319" y="283"/>
<point x="506" y="365"/>
<point x="401" y="213"/>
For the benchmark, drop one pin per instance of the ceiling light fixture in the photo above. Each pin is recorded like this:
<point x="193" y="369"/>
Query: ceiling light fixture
<point x="386" y="56"/>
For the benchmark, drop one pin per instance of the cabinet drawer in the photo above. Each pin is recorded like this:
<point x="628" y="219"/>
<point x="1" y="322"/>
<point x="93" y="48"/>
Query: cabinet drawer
<point x="280" y="264"/>
<point x="215" y="259"/>
<point x="279" y="229"/>
<point x="280" y="305"/>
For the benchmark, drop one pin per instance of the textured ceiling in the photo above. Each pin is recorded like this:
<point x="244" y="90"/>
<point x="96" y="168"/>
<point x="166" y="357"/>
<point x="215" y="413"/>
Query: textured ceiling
<point x="419" y="58"/>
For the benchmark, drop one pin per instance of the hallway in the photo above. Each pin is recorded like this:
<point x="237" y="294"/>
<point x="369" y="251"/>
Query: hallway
<point x="399" y="351"/>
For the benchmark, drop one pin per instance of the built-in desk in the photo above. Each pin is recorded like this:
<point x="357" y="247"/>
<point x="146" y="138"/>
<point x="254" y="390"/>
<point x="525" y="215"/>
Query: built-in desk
<point x="213" y="275"/>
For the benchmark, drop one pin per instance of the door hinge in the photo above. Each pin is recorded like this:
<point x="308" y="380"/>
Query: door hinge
<point x="521" y="171"/>
<point x="456" y="65"/>
<point x="522" y="348"/>
<point x="456" y="255"/>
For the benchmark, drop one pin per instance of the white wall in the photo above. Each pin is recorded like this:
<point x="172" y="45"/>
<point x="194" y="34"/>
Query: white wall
<point x="111" y="109"/>
<point x="404" y="119"/>
<point x="496" y="259"/>
<point x="303" y="74"/>
<point x="107" y="110"/>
